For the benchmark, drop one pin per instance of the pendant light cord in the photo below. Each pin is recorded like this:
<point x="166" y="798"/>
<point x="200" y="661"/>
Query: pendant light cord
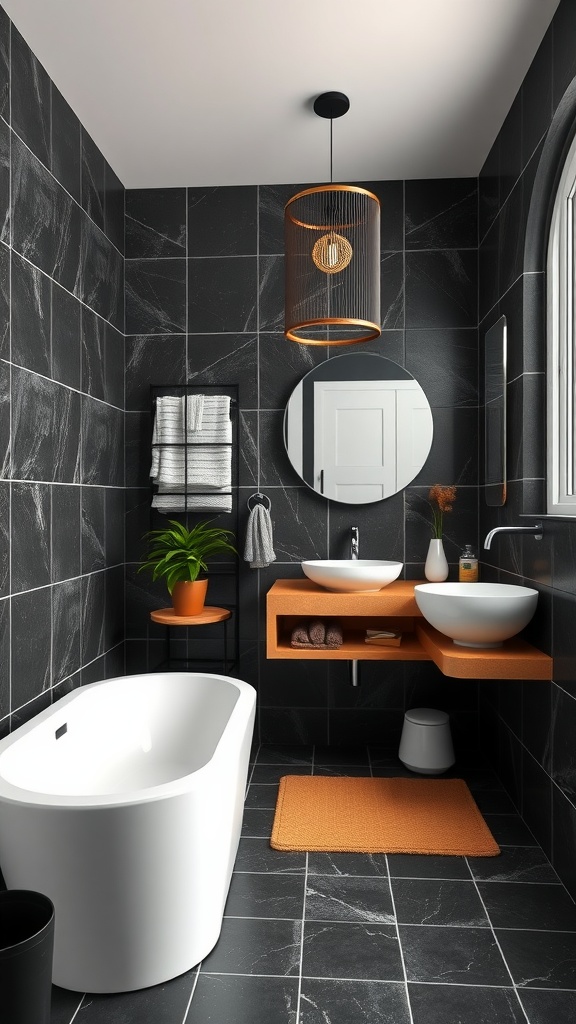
<point x="331" y="176"/>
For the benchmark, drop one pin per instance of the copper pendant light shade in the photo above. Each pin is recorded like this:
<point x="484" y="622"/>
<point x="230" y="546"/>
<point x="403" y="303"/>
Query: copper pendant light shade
<point x="332" y="257"/>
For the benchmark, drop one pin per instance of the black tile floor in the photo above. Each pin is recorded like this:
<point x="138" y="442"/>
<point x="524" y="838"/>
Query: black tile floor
<point x="371" y="939"/>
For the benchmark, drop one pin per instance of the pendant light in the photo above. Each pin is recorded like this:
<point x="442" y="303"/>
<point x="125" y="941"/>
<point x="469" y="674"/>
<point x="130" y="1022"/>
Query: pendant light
<point x="332" y="256"/>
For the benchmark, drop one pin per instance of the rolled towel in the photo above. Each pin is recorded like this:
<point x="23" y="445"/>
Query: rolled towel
<point x="300" y="633"/>
<point x="317" y="632"/>
<point x="334" y="636"/>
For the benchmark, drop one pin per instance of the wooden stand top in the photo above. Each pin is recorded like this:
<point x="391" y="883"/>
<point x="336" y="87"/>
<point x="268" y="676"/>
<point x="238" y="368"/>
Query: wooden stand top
<point x="303" y="597"/>
<point x="210" y="613"/>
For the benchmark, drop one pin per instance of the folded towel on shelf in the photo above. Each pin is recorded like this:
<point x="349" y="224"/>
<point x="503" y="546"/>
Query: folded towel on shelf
<point x="305" y="636"/>
<point x="207" y="422"/>
<point x="259" y="546"/>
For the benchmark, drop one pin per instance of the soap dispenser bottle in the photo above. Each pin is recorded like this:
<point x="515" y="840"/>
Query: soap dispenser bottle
<point x="468" y="566"/>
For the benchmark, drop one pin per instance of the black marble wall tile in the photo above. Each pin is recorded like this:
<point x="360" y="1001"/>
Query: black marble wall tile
<point x="453" y="457"/>
<point x="489" y="191"/>
<point x="92" y="174"/>
<point x="222" y="221"/>
<point x="537" y="98"/>
<point x="30" y="98"/>
<point x="100" y="275"/>
<point x="4" y="302"/>
<point x="157" y="359"/>
<point x="31" y="316"/>
<point x="380" y="525"/>
<point x="66" y="160"/>
<point x="445" y="364"/>
<point x="66" y="337"/>
<point x="222" y="294"/>
<point x="45" y="429"/>
<point x="4" y="661"/>
<point x="511" y="149"/>
<point x="292" y="725"/>
<point x="5" y="420"/>
<point x="138" y="438"/>
<point x="156" y="296"/>
<point x="155" y="223"/>
<point x="46" y="222"/>
<point x="66" y="511"/>
<point x="102" y="443"/>
<point x="563" y="762"/>
<point x="66" y="610"/>
<point x="271" y="202"/>
<point x="391" y="197"/>
<point x="115" y="525"/>
<point x="93" y="529"/>
<point x="441" y="288"/>
<point x="226" y="358"/>
<point x="537" y="801"/>
<point x="93" y="604"/>
<point x="4" y="182"/>
<point x="4" y="538"/>
<point x="4" y="65"/>
<point x="511" y="239"/>
<point x="30" y="536"/>
<point x="275" y="468"/>
<point x="564" y="49"/>
<point x="114" y="621"/>
<point x="271" y="293"/>
<point x="391" y="290"/>
<point x="93" y="353"/>
<point x="282" y="366"/>
<point x="114" y="360"/>
<point x="564" y="839"/>
<point x="113" y="207"/>
<point x="281" y="687"/>
<point x="31" y="669"/>
<point x="441" y="214"/>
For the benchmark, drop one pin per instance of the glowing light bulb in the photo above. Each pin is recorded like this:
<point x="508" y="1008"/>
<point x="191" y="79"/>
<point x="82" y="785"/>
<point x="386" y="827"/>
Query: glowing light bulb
<point x="332" y="253"/>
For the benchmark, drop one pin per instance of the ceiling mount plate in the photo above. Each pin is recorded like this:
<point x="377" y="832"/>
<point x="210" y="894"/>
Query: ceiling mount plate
<point x="331" y="104"/>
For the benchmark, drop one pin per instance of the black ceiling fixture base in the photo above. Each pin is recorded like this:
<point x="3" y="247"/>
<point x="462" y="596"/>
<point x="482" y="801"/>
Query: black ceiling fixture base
<point x="331" y="104"/>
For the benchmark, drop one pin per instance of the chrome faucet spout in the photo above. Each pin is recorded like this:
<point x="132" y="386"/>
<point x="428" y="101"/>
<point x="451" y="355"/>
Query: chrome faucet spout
<point x="535" y="530"/>
<point x="354" y="542"/>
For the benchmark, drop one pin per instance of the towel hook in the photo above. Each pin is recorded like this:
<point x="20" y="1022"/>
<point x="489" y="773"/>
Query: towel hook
<point x="261" y="498"/>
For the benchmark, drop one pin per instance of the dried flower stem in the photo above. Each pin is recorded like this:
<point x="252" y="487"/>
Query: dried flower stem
<point x="441" y="500"/>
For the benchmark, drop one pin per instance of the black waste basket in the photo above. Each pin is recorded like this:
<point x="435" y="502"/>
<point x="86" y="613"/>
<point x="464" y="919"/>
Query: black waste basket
<point x="26" y="949"/>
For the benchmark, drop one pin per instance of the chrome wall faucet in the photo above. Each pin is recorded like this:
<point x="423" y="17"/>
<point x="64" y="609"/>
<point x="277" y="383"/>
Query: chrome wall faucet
<point x="535" y="530"/>
<point x="354" y="541"/>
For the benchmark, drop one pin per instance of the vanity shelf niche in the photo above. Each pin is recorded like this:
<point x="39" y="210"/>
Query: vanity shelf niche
<point x="393" y="607"/>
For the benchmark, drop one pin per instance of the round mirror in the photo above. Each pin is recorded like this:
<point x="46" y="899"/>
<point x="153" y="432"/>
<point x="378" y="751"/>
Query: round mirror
<point x="358" y="428"/>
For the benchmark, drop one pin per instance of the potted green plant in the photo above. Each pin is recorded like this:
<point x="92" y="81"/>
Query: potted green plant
<point x="179" y="555"/>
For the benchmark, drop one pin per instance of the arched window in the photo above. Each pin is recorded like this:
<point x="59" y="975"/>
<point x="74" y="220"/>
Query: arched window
<point x="561" y="330"/>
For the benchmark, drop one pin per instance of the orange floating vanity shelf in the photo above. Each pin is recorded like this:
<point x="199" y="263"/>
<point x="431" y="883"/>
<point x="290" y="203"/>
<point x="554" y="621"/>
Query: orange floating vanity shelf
<point x="393" y="607"/>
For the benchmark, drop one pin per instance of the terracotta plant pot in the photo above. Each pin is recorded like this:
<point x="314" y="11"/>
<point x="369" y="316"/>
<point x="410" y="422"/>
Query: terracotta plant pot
<point x="188" y="598"/>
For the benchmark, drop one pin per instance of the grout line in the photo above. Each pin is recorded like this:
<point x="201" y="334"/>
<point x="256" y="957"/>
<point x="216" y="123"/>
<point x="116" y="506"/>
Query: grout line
<point x="495" y="937"/>
<point x="187" y="1010"/>
<point x="298" y="998"/>
<point x="84" y="394"/>
<point x="77" y="1010"/>
<point x="396" y="925"/>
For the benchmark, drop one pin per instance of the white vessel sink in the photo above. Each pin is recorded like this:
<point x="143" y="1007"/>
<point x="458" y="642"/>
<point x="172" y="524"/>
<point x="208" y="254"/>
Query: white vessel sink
<point x="347" y="574"/>
<point x="476" y="614"/>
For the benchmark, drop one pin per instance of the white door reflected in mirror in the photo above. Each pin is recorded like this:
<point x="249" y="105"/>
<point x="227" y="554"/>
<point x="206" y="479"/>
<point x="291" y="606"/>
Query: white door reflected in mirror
<point x="358" y="428"/>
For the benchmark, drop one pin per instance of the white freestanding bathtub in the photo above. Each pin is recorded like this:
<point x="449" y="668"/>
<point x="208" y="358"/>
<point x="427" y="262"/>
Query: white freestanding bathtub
<point x="123" y="803"/>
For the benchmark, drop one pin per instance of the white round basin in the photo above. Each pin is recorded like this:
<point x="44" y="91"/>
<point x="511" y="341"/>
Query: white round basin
<point x="476" y="614"/>
<point x="347" y="574"/>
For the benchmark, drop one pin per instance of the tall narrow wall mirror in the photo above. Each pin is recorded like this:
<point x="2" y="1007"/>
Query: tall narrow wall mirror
<point x="495" y="413"/>
<point x="358" y="428"/>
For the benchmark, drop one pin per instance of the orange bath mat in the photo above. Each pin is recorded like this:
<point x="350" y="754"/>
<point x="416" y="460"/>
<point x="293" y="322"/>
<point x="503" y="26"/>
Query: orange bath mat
<point x="356" y="815"/>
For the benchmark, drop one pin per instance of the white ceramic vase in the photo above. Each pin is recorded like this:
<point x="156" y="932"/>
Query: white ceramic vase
<point x="436" y="567"/>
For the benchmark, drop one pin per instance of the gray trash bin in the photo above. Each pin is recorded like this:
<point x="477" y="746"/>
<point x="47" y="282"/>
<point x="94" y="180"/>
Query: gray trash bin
<point x="426" y="742"/>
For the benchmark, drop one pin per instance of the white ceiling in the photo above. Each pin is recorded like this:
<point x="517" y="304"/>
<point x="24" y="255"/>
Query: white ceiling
<point x="218" y="92"/>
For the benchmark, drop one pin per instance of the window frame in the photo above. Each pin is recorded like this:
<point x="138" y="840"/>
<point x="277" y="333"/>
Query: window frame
<point x="561" y="343"/>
